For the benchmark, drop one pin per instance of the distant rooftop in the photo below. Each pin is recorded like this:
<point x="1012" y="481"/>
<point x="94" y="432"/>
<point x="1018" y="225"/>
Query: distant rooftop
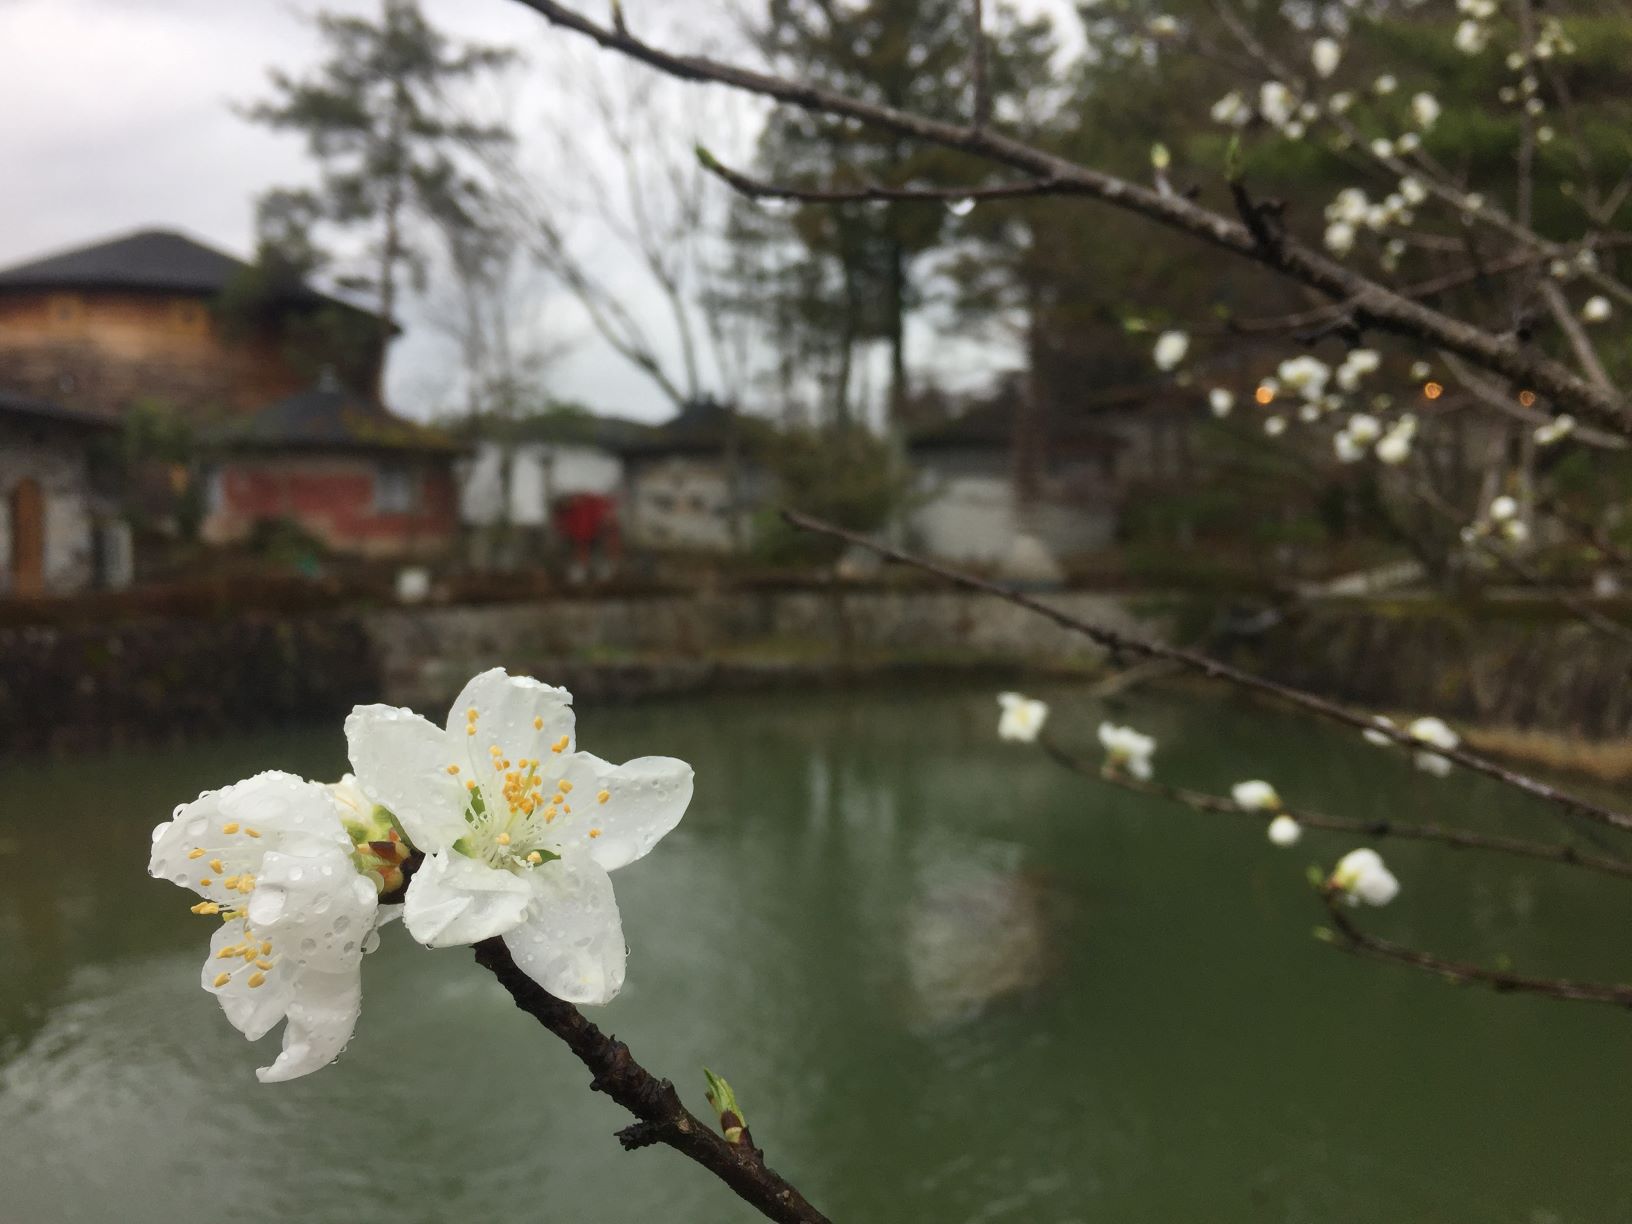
<point x="155" y="259"/>
<point x="326" y="418"/>
<point x="703" y="426"/>
<point x="44" y="412"/>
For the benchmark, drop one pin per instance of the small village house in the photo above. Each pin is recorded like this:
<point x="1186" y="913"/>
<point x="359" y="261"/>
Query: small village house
<point x="359" y="479"/>
<point x="693" y="484"/>
<point x="143" y="318"/>
<point x="998" y="474"/>
<point x="57" y="535"/>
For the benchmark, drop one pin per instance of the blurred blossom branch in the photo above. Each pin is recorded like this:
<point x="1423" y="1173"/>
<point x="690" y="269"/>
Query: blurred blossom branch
<point x="660" y="1116"/>
<point x="1375" y="305"/>
<point x="1127" y="644"/>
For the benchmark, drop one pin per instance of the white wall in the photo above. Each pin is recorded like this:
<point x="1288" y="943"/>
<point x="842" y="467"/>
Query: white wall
<point x="540" y="473"/>
<point x="57" y="460"/>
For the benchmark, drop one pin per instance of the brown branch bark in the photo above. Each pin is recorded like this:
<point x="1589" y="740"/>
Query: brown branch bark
<point x="760" y="189"/>
<point x="1212" y="668"/>
<point x="660" y="1117"/>
<point x="1351" y="938"/>
<point x="1459" y="839"/>
<point x="1374" y="305"/>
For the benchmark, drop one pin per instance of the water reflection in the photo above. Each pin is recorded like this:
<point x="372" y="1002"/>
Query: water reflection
<point x="950" y="982"/>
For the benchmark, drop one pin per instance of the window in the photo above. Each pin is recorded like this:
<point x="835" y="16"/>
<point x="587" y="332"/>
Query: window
<point x="395" y="490"/>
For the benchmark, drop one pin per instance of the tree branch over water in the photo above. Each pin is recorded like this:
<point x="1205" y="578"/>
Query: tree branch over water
<point x="1127" y="644"/>
<point x="661" y="1118"/>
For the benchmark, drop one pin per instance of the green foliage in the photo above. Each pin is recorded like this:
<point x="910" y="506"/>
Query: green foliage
<point x="843" y="473"/>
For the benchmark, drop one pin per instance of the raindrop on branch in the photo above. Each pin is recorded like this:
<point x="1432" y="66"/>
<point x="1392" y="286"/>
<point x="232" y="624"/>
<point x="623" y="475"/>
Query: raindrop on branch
<point x="961" y="208"/>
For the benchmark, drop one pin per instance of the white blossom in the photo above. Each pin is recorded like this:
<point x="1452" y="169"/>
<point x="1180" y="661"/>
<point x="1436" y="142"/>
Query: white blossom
<point x="1348" y="448"/>
<point x="1364" y="428"/>
<point x="1231" y="109"/>
<point x="1597" y="309"/>
<point x="518" y="827"/>
<point x="1325" y="56"/>
<point x="1385" y="84"/>
<point x="1502" y="509"/>
<point x="1220" y="401"/>
<point x="1256" y="796"/>
<point x="1275" y="426"/>
<point x="1284" y="831"/>
<point x="1553" y="430"/>
<point x="1377" y="737"/>
<point x="1171" y="346"/>
<point x="1382" y="147"/>
<point x="273" y="861"/>
<point x="1361" y="875"/>
<point x="1348" y="205"/>
<point x="1276" y="103"/>
<point x="1305" y="374"/>
<point x="1420" y="370"/>
<point x="1355" y="366"/>
<point x="1127" y="749"/>
<point x="1425" y="110"/>
<point x="1409" y="142"/>
<point x="1340" y="102"/>
<point x="1515" y="531"/>
<point x="1412" y="190"/>
<point x="1339" y="238"/>
<point x="1471" y="38"/>
<point x="1022" y="718"/>
<point x="1434" y="732"/>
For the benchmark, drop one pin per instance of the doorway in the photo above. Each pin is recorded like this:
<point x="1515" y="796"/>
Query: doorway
<point x="27" y="538"/>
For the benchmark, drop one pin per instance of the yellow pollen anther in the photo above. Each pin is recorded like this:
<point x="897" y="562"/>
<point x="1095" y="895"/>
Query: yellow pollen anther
<point x="230" y="827"/>
<point x="206" y="907"/>
<point x="594" y="832"/>
<point x="229" y="882"/>
<point x="248" y="832"/>
<point x="453" y="769"/>
<point x="565" y="786"/>
<point x="549" y="814"/>
<point x="560" y="745"/>
<point x="470" y="784"/>
<point x="470" y="714"/>
<point x="263" y="963"/>
<point x="205" y="882"/>
<point x="266" y="947"/>
<point x="503" y="839"/>
<point x="217" y="865"/>
<point x="603" y="796"/>
<point x="535" y="858"/>
<point x="247" y="952"/>
<point x="471" y="730"/>
<point x="196" y="853"/>
<point x="538" y="723"/>
<point x="221" y="979"/>
<point x="256" y="979"/>
<point x="227" y="953"/>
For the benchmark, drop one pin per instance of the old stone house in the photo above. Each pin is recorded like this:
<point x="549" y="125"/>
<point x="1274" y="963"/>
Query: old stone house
<point x="140" y="319"/>
<point x="356" y="477"/>
<point x="56" y="535"/>
<point x="693" y="483"/>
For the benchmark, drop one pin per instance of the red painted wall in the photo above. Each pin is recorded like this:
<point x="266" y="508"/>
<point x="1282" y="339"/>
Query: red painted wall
<point x="334" y="498"/>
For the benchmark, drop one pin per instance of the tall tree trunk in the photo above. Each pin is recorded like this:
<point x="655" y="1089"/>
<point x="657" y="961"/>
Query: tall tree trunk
<point x="898" y="327"/>
<point x="391" y="247"/>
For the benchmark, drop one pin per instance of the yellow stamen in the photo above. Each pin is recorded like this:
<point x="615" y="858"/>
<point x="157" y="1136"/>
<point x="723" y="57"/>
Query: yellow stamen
<point x="256" y="979"/>
<point x="565" y="786"/>
<point x="221" y="979"/>
<point x="470" y="714"/>
<point x="538" y="723"/>
<point x="205" y="882"/>
<point x="216" y="865"/>
<point x="248" y="832"/>
<point x="603" y="796"/>
<point x="560" y="745"/>
<point x="206" y="907"/>
<point x="196" y="854"/>
<point x="503" y="839"/>
<point x="263" y="963"/>
<point x="471" y="730"/>
<point x="594" y="832"/>
<point x="453" y="769"/>
<point x="535" y="858"/>
<point x="470" y="784"/>
<point x="230" y="827"/>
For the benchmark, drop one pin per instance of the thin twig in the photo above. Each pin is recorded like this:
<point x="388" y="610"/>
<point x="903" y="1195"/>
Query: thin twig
<point x="761" y="189"/>
<point x="983" y="94"/>
<point x="1351" y="938"/>
<point x="1460" y="839"/>
<point x="661" y="1118"/>
<point x="1115" y="640"/>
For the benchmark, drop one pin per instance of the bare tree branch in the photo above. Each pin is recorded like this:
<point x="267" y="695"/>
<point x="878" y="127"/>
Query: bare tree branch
<point x="661" y="1118"/>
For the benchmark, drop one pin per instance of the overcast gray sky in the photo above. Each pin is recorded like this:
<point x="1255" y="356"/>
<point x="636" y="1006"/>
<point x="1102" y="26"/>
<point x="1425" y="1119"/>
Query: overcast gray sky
<point x="119" y="116"/>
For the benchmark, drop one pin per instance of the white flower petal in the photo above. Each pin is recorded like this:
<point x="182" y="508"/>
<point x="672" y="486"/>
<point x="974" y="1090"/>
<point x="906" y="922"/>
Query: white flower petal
<point x="643" y="800"/>
<point x="317" y="910"/>
<point x="322" y="1011"/>
<point x="224" y="833"/>
<point x="507" y="707"/>
<point x="253" y="1010"/>
<point x="401" y="760"/>
<point x="572" y="943"/>
<point x="457" y="900"/>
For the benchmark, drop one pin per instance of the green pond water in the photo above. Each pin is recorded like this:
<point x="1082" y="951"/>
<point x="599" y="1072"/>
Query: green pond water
<point x="949" y="981"/>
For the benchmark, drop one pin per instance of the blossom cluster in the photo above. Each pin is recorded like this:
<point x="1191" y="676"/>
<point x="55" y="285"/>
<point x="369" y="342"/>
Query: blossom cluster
<point x="1360" y="876"/>
<point x="494" y="824"/>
